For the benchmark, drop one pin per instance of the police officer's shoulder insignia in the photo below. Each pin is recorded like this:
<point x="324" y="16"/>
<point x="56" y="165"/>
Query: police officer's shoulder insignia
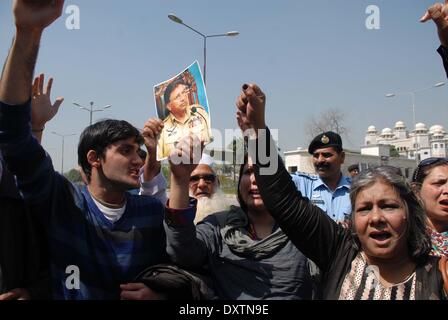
<point x="325" y="139"/>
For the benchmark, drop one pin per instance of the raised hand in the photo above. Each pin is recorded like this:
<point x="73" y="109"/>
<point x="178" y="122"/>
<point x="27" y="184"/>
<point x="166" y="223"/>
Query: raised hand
<point x="439" y="14"/>
<point x="183" y="160"/>
<point x="185" y="157"/>
<point x="243" y="123"/>
<point x="251" y="108"/>
<point x="150" y="131"/>
<point x="36" y="15"/>
<point x="31" y="18"/>
<point x="42" y="110"/>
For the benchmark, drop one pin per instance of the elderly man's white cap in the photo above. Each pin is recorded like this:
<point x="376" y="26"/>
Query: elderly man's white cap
<point x="206" y="159"/>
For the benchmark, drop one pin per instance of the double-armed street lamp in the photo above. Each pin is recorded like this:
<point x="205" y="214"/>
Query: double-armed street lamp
<point x="91" y="109"/>
<point x="412" y="94"/>
<point x="176" y="19"/>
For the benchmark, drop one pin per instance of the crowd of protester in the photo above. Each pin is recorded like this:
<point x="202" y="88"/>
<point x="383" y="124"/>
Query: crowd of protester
<point x="120" y="235"/>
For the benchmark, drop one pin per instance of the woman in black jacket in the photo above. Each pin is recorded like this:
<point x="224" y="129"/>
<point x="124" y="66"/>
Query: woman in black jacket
<point x="386" y="253"/>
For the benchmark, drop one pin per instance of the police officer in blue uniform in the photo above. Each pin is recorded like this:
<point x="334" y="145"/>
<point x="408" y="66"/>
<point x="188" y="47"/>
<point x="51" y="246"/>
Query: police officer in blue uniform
<point x="329" y="189"/>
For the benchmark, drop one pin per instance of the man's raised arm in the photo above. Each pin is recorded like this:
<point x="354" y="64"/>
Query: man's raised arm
<point x="24" y="156"/>
<point x="31" y="18"/>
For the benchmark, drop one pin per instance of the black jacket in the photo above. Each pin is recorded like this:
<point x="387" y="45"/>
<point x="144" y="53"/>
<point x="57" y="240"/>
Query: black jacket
<point x="444" y="54"/>
<point x="177" y="283"/>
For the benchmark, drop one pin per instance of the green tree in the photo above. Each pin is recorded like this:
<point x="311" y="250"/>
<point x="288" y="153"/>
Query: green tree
<point x="166" y="172"/>
<point x="332" y="119"/>
<point x="74" y="176"/>
<point x="394" y="152"/>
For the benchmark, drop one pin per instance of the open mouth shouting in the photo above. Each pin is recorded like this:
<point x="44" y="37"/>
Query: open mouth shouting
<point x="444" y="204"/>
<point x="380" y="237"/>
<point x="135" y="173"/>
<point x="254" y="193"/>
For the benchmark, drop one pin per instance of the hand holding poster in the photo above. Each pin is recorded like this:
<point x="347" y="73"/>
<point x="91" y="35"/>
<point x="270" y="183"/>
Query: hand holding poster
<point x="182" y="104"/>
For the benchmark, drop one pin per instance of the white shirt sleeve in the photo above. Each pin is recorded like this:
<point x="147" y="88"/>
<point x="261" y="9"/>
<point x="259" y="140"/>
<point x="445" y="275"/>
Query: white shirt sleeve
<point x="156" y="187"/>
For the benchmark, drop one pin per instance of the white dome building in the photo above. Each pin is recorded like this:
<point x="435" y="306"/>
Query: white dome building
<point x="420" y="128"/>
<point x="438" y="141"/>
<point x="387" y="134"/>
<point x="400" y="130"/>
<point x="436" y="128"/>
<point x="420" y="143"/>
<point x="399" y="125"/>
<point x="371" y="135"/>
<point x="437" y="131"/>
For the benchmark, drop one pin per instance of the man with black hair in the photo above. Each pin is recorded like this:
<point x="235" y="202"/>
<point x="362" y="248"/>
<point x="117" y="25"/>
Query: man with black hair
<point x="353" y="170"/>
<point x="184" y="118"/>
<point x="100" y="236"/>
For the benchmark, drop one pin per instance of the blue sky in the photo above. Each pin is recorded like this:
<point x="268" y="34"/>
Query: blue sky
<point x="306" y="55"/>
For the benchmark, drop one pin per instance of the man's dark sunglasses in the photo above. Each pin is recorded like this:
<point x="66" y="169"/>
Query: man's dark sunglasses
<point x="209" y="178"/>
<point x="416" y="177"/>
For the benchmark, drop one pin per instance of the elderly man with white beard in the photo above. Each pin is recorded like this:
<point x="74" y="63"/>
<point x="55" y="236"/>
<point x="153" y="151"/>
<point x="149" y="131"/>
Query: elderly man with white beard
<point x="204" y="186"/>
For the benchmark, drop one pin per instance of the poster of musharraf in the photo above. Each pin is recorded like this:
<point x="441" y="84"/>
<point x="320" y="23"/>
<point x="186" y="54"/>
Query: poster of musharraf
<point x="181" y="102"/>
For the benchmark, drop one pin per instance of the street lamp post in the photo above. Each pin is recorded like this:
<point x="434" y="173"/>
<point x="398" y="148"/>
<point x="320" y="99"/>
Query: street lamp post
<point x="63" y="140"/>
<point x="412" y="94"/>
<point x="91" y="110"/>
<point x="176" y="19"/>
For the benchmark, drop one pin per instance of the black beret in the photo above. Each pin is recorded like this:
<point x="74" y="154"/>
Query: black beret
<point x="325" y="140"/>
